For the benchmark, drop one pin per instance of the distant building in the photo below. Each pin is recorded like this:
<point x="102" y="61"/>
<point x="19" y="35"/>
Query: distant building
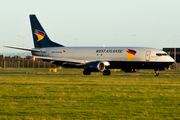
<point x="170" y="52"/>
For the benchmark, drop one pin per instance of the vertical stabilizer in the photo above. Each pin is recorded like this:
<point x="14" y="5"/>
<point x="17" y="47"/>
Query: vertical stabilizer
<point x="40" y="37"/>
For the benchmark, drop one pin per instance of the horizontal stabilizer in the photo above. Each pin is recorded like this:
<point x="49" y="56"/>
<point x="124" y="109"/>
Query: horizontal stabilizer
<point x="27" y="49"/>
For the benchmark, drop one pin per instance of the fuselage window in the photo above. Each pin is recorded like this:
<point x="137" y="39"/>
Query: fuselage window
<point x="161" y="54"/>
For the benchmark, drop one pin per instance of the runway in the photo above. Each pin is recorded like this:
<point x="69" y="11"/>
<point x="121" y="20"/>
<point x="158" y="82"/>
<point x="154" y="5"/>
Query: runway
<point x="26" y="73"/>
<point x="131" y="74"/>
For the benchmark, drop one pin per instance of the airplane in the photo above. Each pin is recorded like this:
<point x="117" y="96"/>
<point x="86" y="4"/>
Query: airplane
<point x="95" y="59"/>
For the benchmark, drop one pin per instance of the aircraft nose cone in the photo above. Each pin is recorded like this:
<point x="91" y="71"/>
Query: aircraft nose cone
<point x="171" y="59"/>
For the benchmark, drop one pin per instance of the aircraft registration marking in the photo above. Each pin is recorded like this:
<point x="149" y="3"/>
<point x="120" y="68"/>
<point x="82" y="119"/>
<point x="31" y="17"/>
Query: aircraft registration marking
<point x="57" y="52"/>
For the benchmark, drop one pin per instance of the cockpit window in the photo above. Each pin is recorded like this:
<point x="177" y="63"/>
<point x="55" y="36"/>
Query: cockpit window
<point x="161" y="54"/>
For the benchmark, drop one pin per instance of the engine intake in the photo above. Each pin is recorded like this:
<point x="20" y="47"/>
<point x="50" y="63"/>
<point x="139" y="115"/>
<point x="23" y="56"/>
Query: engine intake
<point x="96" y="66"/>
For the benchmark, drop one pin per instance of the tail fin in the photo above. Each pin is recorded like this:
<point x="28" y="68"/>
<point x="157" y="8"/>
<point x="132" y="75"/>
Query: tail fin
<point x="39" y="35"/>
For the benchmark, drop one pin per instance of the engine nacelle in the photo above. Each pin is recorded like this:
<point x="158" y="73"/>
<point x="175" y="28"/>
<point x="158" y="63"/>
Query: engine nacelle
<point x="96" y="66"/>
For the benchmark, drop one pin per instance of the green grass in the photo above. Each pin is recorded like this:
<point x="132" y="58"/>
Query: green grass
<point x="42" y="70"/>
<point x="89" y="97"/>
<point x="80" y="71"/>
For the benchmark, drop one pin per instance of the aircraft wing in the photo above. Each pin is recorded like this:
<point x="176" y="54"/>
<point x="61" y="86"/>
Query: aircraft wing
<point x="34" y="50"/>
<point x="66" y="61"/>
<point x="70" y="61"/>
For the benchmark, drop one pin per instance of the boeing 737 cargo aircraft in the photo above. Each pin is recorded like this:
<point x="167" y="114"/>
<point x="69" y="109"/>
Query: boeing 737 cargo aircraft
<point x="95" y="59"/>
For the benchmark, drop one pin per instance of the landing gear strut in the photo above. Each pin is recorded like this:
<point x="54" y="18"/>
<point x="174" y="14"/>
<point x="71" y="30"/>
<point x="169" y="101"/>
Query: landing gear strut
<point x="106" y="72"/>
<point x="156" y="73"/>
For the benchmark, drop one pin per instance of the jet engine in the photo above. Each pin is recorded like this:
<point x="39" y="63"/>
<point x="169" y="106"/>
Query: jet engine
<point x="96" y="66"/>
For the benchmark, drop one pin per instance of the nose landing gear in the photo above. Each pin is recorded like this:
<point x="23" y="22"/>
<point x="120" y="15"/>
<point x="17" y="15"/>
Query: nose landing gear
<point x="156" y="73"/>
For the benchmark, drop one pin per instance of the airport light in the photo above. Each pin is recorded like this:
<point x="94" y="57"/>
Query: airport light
<point x="116" y="40"/>
<point x="3" y="45"/>
<point x="75" y="41"/>
<point x="23" y="46"/>
<point x="19" y="46"/>
<point x="134" y="40"/>
<point x="175" y="49"/>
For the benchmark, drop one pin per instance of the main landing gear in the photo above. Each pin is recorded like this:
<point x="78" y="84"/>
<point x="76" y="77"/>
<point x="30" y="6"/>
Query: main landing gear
<point x="156" y="73"/>
<point x="85" y="72"/>
<point x="105" y="72"/>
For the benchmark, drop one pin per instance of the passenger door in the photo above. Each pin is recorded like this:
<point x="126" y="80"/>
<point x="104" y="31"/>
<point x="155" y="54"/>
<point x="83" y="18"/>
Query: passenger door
<point x="147" y="57"/>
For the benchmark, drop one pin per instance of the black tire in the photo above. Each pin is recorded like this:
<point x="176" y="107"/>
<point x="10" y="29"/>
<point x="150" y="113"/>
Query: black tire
<point x="106" y="72"/>
<point x="86" y="72"/>
<point x="156" y="74"/>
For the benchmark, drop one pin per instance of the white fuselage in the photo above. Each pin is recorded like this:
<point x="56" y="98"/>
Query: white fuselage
<point x="105" y="54"/>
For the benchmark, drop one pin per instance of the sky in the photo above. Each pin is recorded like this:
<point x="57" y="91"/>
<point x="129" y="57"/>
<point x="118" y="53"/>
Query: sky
<point x="140" y="23"/>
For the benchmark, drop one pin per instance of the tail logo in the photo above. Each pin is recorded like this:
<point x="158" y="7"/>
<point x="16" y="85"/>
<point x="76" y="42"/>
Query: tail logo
<point x="39" y="34"/>
<point x="130" y="53"/>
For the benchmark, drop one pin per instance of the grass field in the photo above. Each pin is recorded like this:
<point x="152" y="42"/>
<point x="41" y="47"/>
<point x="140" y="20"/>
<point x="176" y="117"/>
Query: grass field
<point x="89" y="97"/>
<point x="80" y="71"/>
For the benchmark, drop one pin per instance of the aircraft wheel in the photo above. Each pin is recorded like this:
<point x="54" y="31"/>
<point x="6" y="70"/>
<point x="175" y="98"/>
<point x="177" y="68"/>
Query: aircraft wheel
<point x="86" y="72"/>
<point x="156" y="74"/>
<point x="106" y="72"/>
